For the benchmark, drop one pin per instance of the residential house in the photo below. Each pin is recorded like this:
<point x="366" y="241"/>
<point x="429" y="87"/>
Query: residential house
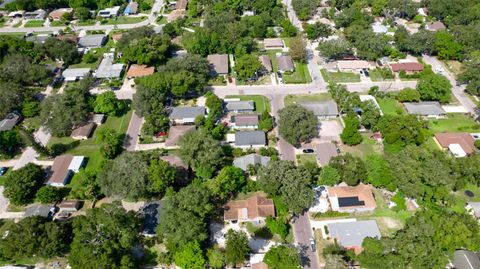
<point x="240" y="106"/>
<point x="181" y="4"/>
<point x="137" y="70"/>
<point x="435" y="26"/>
<point x="407" y="67"/>
<point x="45" y="211"/>
<point x="426" y="109"/>
<point x="250" y="139"/>
<point x="92" y="41"/>
<point x="107" y="69"/>
<point x="98" y="119"/>
<point x="218" y="63"/>
<point x="285" y="64"/>
<point x="83" y="131"/>
<point x="353" y="65"/>
<point x="459" y="144"/>
<point x="325" y="152"/>
<point x="273" y="43"/>
<point x="266" y="63"/>
<point x="465" y="259"/>
<point x="351" y="199"/>
<point x="474" y="209"/>
<point x="322" y="109"/>
<point x="69" y="206"/>
<point x="350" y="235"/>
<point x="251" y="159"/>
<point x="254" y="209"/>
<point x="68" y="37"/>
<point x="244" y="121"/>
<point x="131" y="9"/>
<point x="60" y="172"/>
<point x="38" y="14"/>
<point x="58" y="14"/>
<point x="109" y="12"/>
<point x="16" y="14"/>
<point x="10" y="121"/>
<point x="74" y="74"/>
<point x="186" y="115"/>
<point x="176" y="132"/>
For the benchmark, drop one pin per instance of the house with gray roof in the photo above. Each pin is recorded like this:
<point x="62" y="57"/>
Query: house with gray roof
<point x="92" y="41"/>
<point x="186" y="115"/>
<point x="325" y="152"/>
<point x="474" y="209"/>
<point x="425" y="109"/>
<point x="350" y="235"/>
<point x="45" y="211"/>
<point x="250" y="159"/>
<point x="322" y="109"/>
<point x="107" y="69"/>
<point x="240" y="106"/>
<point x="250" y="139"/>
<point x="74" y="74"/>
<point x="465" y="259"/>
<point x="285" y="63"/>
<point x="218" y="63"/>
<point x="9" y="121"/>
<point x="244" y="121"/>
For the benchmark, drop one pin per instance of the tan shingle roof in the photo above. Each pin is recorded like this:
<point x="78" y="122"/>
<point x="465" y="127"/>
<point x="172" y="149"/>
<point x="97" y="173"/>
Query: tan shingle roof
<point x="60" y="169"/>
<point x="249" y="209"/>
<point x="137" y="70"/>
<point x="363" y="192"/>
<point x="465" y="140"/>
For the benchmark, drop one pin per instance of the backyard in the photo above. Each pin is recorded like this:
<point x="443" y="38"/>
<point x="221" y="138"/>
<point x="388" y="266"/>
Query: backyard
<point x="454" y="123"/>
<point x="340" y="77"/>
<point x="390" y="106"/>
<point x="261" y="102"/>
<point x="378" y="75"/>
<point x="367" y="147"/>
<point x="299" y="76"/>
<point x="294" y="98"/>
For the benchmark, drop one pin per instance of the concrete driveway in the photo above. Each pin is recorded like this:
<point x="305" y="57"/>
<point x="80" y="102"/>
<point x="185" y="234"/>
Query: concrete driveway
<point x="330" y="130"/>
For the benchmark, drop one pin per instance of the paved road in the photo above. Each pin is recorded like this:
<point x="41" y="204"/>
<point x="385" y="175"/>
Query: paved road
<point x="458" y="91"/>
<point x="151" y="19"/>
<point x="133" y="131"/>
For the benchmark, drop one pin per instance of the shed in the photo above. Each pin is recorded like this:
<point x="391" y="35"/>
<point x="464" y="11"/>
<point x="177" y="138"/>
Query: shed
<point x="250" y="139"/>
<point x="285" y="63"/>
<point x="83" y="131"/>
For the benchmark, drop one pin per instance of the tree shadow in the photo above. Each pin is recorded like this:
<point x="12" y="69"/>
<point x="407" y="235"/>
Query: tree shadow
<point x="304" y="259"/>
<point x="60" y="148"/>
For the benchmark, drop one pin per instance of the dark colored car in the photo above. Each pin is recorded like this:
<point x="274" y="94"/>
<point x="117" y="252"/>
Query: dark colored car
<point x="308" y="151"/>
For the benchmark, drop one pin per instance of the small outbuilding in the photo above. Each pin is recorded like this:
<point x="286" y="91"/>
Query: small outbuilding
<point x="83" y="131"/>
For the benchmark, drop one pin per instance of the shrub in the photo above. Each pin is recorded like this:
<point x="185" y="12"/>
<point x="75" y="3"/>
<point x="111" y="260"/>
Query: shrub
<point x="279" y="227"/>
<point x="48" y="194"/>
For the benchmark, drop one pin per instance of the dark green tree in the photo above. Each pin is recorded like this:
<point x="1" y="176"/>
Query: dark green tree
<point x="297" y="124"/>
<point x="350" y="168"/>
<point x="236" y="249"/>
<point x="22" y="184"/>
<point x="282" y="256"/>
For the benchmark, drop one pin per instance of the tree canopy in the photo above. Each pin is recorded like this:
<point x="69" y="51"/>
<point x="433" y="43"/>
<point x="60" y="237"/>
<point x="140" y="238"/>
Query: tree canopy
<point x="282" y="256"/>
<point x="22" y="184"/>
<point x="297" y="124"/>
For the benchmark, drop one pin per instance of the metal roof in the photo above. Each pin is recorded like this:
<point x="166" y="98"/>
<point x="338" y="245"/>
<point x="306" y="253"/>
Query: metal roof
<point x="253" y="159"/>
<point x="250" y="138"/>
<point x="9" y="122"/>
<point x="351" y="234"/>
<point x="424" y="108"/>
<point x="464" y="259"/>
<point x="179" y="113"/>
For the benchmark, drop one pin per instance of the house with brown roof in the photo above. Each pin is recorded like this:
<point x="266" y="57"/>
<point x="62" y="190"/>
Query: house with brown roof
<point x="254" y="209"/>
<point x="175" y="133"/>
<point x="435" y="26"/>
<point x="343" y="198"/>
<point x="116" y="37"/>
<point x="181" y="4"/>
<point x="273" y="43"/>
<point x="60" y="172"/>
<point x="325" y="152"/>
<point x="266" y="63"/>
<point x="407" y="67"/>
<point x="285" y="63"/>
<point x="57" y="14"/>
<point x="83" y="131"/>
<point x="244" y="121"/>
<point x="69" y="206"/>
<point x="218" y="63"/>
<point x="459" y="144"/>
<point x="137" y="70"/>
<point x="353" y="65"/>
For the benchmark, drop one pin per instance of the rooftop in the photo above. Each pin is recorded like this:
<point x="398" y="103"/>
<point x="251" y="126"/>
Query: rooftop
<point x="325" y="152"/>
<point x="137" y="70"/>
<point x="250" y="159"/>
<point x="285" y="63"/>
<point x="107" y="69"/>
<point x="409" y="67"/>
<point x="250" y="138"/>
<point x="321" y="108"/>
<point x="73" y="73"/>
<point x="245" y="119"/>
<point x="266" y="62"/>
<point x="92" y="41"/>
<point x="179" y="113"/>
<point x="273" y="43"/>
<point x="249" y="209"/>
<point x="60" y="170"/>
<point x="465" y="140"/>
<point x="9" y="122"/>
<point x="240" y="105"/>
<point x="352" y="197"/>
<point x="464" y="259"/>
<point x="424" y="108"/>
<point x="353" y="64"/>
<point x="85" y="130"/>
<point x="219" y="63"/>
<point x="351" y="234"/>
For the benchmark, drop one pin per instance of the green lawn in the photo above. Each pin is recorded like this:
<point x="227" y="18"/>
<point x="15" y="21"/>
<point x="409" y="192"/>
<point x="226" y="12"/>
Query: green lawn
<point x="261" y="102"/>
<point x="86" y="23"/>
<point x="454" y="123"/>
<point x="376" y="75"/>
<point x="367" y="147"/>
<point x="340" y="77"/>
<point x="34" y="23"/>
<point x="293" y="99"/>
<point x="390" y="106"/>
<point x="273" y="57"/>
<point x="57" y="23"/>
<point x="299" y="76"/>
<point x="306" y="158"/>
<point x="124" y="20"/>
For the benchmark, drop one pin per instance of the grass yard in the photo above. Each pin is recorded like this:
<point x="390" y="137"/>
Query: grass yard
<point x="390" y="106"/>
<point x="273" y="57"/>
<point x="340" y="77"/>
<point x="217" y="81"/>
<point x="376" y="75"/>
<point x="303" y="159"/>
<point x="320" y="244"/>
<point x="454" y="123"/>
<point x="261" y="102"/>
<point x="300" y="76"/>
<point x="293" y="99"/>
<point x="85" y="23"/>
<point x="454" y="67"/>
<point x="34" y="23"/>
<point x="124" y="20"/>
<point x="367" y="147"/>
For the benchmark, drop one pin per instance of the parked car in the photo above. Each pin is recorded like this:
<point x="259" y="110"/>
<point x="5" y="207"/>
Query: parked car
<point x="308" y="150"/>
<point x="312" y="244"/>
<point x="3" y="170"/>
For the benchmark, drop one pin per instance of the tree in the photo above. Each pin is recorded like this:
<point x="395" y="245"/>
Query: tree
<point x="30" y="109"/>
<point x="446" y="46"/>
<point x="370" y="115"/>
<point x="335" y="48"/>
<point x="318" y="30"/>
<point x="20" y="69"/>
<point x="350" y="134"/>
<point x="400" y="131"/>
<point x="9" y="142"/>
<point x="236" y="249"/>
<point x="289" y="30"/>
<point x="48" y="194"/>
<point x="161" y="175"/>
<point x="297" y="124"/>
<point x="22" y="184"/>
<point x="408" y="95"/>
<point x="104" y="238"/>
<point x="52" y="239"/>
<point x="278" y="226"/>
<point x="290" y="183"/>
<point x="282" y="256"/>
<point x="229" y="180"/>
<point x="62" y="50"/>
<point x="335" y="262"/>
<point x="379" y="173"/>
<point x="329" y="176"/>
<point x="82" y="13"/>
<point x="13" y="95"/>
<point x="126" y="176"/>
<point x="247" y="66"/>
<point x="304" y="8"/>
<point x="351" y="169"/>
<point x="201" y="152"/>
<point x="370" y="46"/>
<point x="107" y="103"/>
<point x="216" y="258"/>
<point x="471" y="74"/>
<point x="152" y="50"/>
<point x="434" y="87"/>
<point x="190" y="256"/>
<point x="297" y="49"/>
<point x="111" y="142"/>
<point x="266" y="122"/>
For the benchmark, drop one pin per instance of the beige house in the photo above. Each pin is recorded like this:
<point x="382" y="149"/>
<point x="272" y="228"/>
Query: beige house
<point x="351" y="199"/>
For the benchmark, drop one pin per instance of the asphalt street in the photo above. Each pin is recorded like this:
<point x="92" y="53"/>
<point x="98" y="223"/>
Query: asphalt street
<point x="133" y="132"/>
